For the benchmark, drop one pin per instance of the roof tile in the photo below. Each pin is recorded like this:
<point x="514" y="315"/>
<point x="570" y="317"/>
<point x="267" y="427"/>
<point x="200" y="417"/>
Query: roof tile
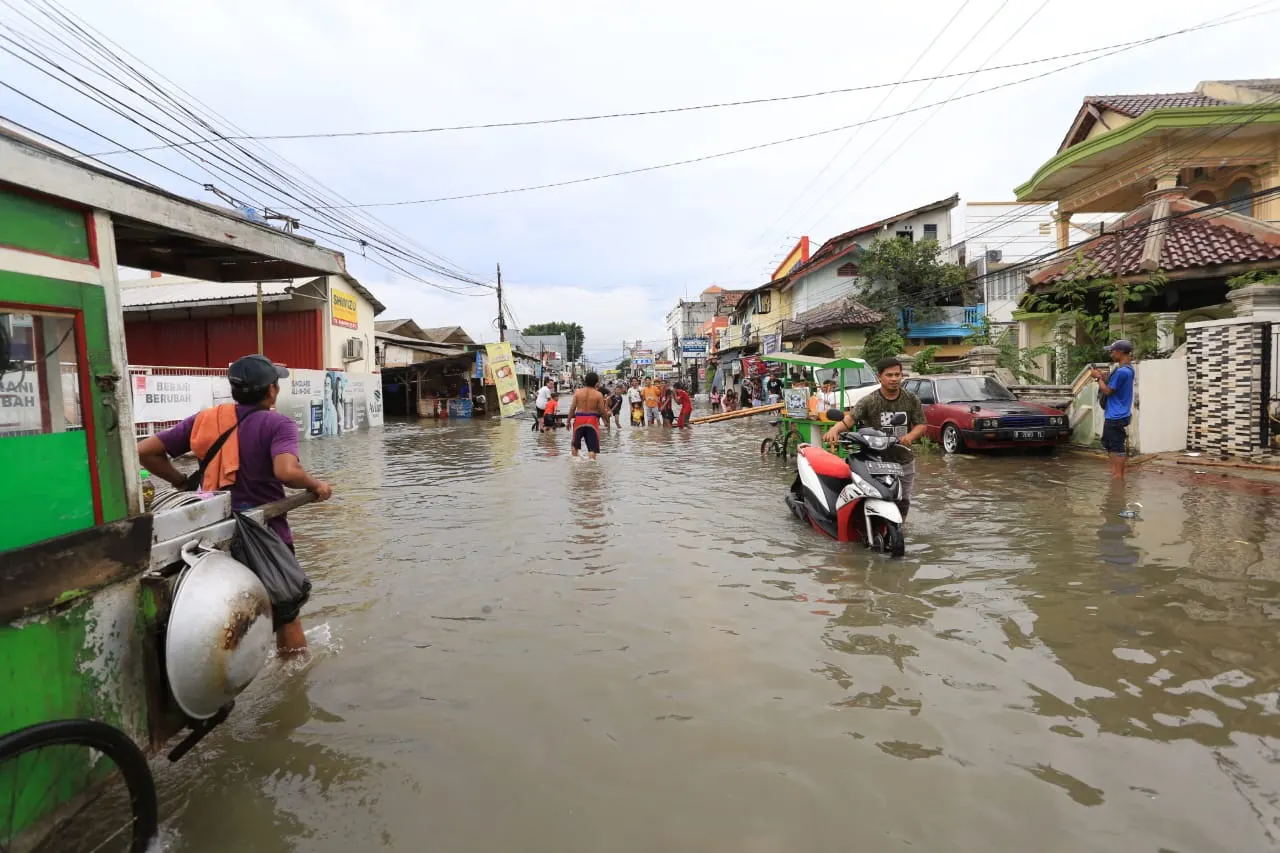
<point x="840" y="314"/>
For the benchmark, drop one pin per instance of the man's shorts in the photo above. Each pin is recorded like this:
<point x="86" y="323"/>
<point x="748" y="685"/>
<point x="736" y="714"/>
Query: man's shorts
<point x="1115" y="435"/>
<point x="588" y="434"/>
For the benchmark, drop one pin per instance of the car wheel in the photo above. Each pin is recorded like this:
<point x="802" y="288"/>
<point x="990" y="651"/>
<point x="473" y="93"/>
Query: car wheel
<point x="951" y="440"/>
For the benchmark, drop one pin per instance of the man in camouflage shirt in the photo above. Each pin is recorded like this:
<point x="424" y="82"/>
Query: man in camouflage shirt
<point x="893" y="411"/>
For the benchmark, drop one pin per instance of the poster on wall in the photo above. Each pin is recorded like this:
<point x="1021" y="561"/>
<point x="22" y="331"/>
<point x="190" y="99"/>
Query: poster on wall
<point x="344" y="309"/>
<point x="170" y="398"/>
<point x="20" y="402"/>
<point x="503" y="368"/>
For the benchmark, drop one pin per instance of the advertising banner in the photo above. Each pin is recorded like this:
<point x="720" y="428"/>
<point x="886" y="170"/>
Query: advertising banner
<point x="694" y="347"/>
<point x="754" y="367"/>
<point x="504" y="378"/>
<point x="646" y="361"/>
<point x="344" y="309"/>
<point x="170" y="398"/>
<point x="769" y="344"/>
<point x="479" y="371"/>
<point x="20" y="402"/>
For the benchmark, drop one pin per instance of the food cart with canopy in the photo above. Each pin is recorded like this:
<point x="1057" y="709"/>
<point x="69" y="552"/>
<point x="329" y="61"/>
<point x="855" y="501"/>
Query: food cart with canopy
<point x="801" y="421"/>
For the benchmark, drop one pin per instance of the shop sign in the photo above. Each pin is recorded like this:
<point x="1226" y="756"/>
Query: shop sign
<point x="344" y="309"/>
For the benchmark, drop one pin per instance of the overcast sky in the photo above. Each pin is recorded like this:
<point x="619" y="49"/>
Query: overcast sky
<point x="615" y="254"/>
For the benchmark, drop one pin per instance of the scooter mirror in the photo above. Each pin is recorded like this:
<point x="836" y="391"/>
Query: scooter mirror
<point x="835" y="415"/>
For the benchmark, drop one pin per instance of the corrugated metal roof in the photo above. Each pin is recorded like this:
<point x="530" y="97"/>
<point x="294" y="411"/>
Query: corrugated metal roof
<point x="140" y="296"/>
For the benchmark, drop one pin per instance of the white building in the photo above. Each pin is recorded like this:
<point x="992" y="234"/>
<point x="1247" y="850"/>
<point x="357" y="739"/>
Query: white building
<point x="1001" y="237"/>
<point x="686" y="321"/>
<point x="831" y="274"/>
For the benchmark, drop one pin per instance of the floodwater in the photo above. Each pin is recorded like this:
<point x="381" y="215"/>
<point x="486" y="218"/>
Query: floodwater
<point x="517" y="651"/>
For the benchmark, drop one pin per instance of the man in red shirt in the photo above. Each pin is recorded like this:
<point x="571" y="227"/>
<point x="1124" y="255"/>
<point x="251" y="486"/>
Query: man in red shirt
<point x="686" y="405"/>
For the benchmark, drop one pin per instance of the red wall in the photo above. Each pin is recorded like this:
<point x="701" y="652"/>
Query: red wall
<point x="291" y="339"/>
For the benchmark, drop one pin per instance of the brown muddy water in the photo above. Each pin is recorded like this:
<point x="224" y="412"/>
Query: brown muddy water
<point x="516" y="651"/>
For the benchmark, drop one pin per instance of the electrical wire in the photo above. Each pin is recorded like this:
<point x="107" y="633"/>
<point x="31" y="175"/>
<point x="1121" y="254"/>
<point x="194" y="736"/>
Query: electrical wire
<point x="68" y="23"/>
<point x="355" y="233"/>
<point x="660" y="111"/>
<point x="750" y="148"/>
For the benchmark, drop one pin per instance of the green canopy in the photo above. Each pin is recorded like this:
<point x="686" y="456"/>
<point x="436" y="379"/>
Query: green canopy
<point x="815" y="361"/>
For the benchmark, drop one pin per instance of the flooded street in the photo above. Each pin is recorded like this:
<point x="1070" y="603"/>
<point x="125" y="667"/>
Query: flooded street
<point x="519" y="651"/>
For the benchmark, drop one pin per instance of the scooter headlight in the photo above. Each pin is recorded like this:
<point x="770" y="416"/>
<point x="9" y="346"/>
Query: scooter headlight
<point x="869" y="490"/>
<point x="877" y="442"/>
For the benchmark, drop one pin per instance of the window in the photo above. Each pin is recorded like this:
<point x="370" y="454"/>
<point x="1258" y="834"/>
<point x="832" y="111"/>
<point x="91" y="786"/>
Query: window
<point x="905" y="235"/>
<point x="1238" y="197"/>
<point x="1045" y="228"/>
<point x="40" y="375"/>
<point x="847" y="270"/>
<point x="974" y="390"/>
<point x="764" y="302"/>
<point x="931" y="231"/>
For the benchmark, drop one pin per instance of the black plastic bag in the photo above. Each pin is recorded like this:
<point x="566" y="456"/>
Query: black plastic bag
<point x="266" y="554"/>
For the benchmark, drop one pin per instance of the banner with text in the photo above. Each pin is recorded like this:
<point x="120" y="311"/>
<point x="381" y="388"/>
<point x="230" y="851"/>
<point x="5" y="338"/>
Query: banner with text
<point x="170" y="398"/>
<point x="344" y="309"/>
<point x="503" y="367"/>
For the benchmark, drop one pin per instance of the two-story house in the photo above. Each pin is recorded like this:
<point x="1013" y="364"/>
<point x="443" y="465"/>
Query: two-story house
<point x="1199" y="175"/>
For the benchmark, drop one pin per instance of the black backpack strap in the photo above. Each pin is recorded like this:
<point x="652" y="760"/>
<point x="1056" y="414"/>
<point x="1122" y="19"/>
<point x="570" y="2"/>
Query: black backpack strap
<point x="197" y="479"/>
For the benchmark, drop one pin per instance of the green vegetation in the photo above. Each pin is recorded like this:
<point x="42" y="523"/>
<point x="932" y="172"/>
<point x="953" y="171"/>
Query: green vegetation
<point x="572" y="331"/>
<point x="1269" y="278"/>
<point x="904" y="275"/>
<point x="1094" y="304"/>
<point x="924" y="362"/>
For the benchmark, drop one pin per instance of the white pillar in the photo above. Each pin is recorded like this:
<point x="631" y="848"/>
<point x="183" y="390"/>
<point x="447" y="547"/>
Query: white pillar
<point x="1165" y="322"/>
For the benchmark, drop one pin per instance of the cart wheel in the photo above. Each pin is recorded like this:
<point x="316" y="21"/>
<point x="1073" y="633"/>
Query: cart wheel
<point x="75" y="785"/>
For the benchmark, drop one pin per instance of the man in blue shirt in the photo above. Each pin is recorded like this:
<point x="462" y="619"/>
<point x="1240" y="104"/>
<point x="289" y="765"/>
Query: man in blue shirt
<point x="1118" y="391"/>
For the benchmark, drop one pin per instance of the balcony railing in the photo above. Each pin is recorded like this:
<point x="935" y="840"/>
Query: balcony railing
<point x="947" y="322"/>
<point x="731" y="337"/>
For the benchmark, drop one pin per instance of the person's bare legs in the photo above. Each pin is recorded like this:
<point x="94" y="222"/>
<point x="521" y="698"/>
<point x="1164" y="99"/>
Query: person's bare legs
<point x="290" y="640"/>
<point x="1117" y="466"/>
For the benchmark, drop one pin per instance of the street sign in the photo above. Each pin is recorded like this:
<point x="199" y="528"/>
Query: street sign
<point x="694" y="347"/>
<point x="642" y="362"/>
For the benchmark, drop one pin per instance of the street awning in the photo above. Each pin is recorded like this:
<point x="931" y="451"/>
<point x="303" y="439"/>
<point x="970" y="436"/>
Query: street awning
<point x="814" y="361"/>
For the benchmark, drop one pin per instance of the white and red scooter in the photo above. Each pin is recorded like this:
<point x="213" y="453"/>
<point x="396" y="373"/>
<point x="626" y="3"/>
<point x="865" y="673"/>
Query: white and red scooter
<point x="854" y="499"/>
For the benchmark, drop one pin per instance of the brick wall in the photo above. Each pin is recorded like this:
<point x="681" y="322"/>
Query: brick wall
<point x="1225" y="387"/>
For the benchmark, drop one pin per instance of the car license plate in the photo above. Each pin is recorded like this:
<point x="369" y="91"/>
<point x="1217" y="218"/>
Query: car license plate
<point x="884" y="468"/>
<point x="1031" y="434"/>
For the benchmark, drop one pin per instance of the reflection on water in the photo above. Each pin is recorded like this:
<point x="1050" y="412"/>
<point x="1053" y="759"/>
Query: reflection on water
<point x="533" y="652"/>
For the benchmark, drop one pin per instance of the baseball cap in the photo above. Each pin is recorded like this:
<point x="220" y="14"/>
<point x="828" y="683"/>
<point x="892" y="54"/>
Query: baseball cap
<point x="1122" y="345"/>
<point x="255" y="371"/>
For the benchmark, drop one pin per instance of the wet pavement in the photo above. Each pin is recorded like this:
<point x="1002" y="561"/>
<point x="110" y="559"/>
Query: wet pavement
<point x="519" y="651"/>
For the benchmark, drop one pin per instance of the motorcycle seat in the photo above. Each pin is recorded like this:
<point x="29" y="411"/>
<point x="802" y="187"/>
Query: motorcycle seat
<point x="823" y="462"/>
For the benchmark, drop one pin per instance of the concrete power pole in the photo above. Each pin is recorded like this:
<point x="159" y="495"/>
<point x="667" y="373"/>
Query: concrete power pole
<point x="502" y="314"/>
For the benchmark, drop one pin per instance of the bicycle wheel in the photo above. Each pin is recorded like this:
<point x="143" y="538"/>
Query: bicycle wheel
<point x="74" y="786"/>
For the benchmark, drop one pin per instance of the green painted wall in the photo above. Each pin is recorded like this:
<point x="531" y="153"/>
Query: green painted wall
<point x="90" y="300"/>
<point x="48" y="487"/>
<point x="26" y="223"/>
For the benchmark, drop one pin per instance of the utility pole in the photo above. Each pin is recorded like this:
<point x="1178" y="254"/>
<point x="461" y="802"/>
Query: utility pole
<point x="261" y="351"/>
<point x="502" y="314"/>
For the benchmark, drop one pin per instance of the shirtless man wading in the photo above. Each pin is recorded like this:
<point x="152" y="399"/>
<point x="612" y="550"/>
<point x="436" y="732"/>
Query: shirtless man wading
<point x="585" y="413"/>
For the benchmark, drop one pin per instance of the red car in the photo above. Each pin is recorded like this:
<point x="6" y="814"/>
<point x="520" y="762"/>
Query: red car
<point x="978" y="413"/>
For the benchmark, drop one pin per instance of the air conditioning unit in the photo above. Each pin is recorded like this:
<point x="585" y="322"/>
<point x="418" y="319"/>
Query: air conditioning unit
<point x="353" y="349"/>
<point x="994" y="256"/>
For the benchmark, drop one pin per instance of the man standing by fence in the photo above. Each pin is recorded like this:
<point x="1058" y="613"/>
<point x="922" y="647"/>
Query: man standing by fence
<point x="1117" y="389"/>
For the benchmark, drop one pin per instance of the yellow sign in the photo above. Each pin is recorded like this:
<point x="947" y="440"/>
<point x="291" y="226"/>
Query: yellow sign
<point x="344" y="309"/>
<point x="503" y="367"/>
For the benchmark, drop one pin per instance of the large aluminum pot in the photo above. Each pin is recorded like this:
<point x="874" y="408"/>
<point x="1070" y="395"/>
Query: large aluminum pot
<point x="219" y="634"/>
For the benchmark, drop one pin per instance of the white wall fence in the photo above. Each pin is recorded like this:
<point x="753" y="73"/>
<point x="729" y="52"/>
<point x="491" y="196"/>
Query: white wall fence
<point x="321" y="402"/>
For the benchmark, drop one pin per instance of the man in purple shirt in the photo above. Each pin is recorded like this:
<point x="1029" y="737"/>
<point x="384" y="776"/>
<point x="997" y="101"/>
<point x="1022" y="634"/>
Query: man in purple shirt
<point x="267" y="442"/>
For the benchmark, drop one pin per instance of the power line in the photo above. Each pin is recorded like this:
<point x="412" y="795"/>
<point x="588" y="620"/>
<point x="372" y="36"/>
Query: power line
<point x="870" y="115"/>
<point x="652" y="112"/>
<point x="760" y="146"/>
<point x="348" y="226"/>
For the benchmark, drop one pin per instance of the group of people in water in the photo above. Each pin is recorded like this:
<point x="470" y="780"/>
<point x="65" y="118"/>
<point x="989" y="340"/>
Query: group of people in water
<point x="592" y="407"/>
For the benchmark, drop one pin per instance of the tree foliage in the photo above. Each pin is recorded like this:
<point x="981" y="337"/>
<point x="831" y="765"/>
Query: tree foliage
<point x="624" y="366"/>
<point x="1089" y="307"/>
<point x="1023" y="364"/>
<point x="903" y="274"/>
<point x="572" y="331"/>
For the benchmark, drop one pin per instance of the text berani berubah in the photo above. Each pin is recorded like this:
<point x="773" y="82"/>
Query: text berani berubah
<point x="169" y="392"/>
